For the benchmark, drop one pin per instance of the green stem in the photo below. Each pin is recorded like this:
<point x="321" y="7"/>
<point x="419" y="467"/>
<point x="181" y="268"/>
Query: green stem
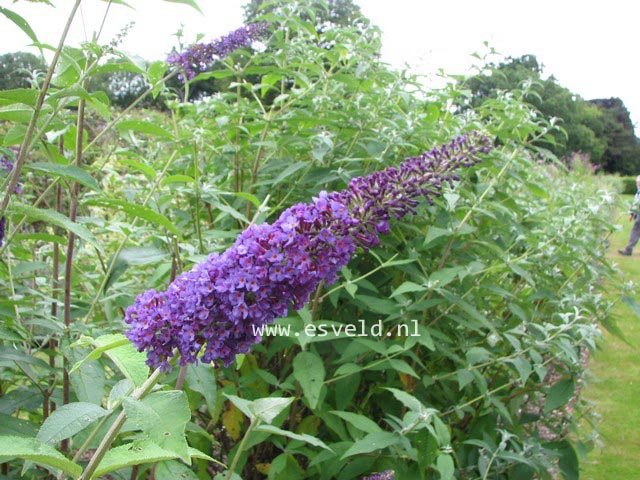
<point x="196" y="177"/>
<point x="254" y="423"/>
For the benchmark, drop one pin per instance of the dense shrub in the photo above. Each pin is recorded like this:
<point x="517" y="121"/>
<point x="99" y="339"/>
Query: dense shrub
<point x="628" y="185"/>
<point x="486" y="300"/>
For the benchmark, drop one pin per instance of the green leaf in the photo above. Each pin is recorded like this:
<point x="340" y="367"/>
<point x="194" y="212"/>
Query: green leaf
<point x="142" y="255"/>
<point x="202" y="379"/>
<point x="145" y="127"/>
<point x="403" y="367"/>
<point x="266" y="409"/>
<point x="376" y="304"/>
<point x="177" y="179"/>
<point x="122" y="352"/>
<point x="67" y="420"/>
<point x="434" y="233"/>
<point x="408" y="400"/>
<point x="372" y="443"/>
<point x="26" y="96"/>
<point x="248" y="196"/>
<point x="163" y="416"/>
<point x="243" y="405"/>
<point x="54" y="218"/>
<point x="358" y="421"/>
<point x="308" y="370"/>
<point x="15" y="135"/>
<point x="10" y="425"/>
<point x="191" y="3"/>
<point x="155" y="73"/>
<point x="16" y="112"/>
<point x="9" y="355"/>
<point x="567" y="459"/>
<point x="21" y="23"/>
<point x="173" y="470"/>
<point x="445" y="466"/>
<point x="67" y="171"/>
<point x="88" y="382"/>
<point x="443" y="277"/>
<point x="294" y="436"/>
<point x="138" y="211"/>
<point x="477" y="355"/>
<point x="146" y="170"/>
<point x="408" y="287"/>
<point x="38" y="452"/>
<point x="231" y="211"/>
<point x="134" y="453"/>
<point x="559" y="394"/>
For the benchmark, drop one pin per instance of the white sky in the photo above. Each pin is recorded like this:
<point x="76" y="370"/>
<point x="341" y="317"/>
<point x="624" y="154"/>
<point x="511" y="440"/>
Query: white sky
<point x="590" y="47"/>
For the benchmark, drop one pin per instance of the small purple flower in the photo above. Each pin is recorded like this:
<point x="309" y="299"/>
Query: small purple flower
<point x="3" y="226"/>
<point x="199" y="57"/>
<point x="386" y="475"/>
<point x="214" y="311"/>
<point x="7" y="165"/>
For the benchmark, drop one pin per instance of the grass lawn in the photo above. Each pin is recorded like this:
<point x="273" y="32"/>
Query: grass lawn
<point x="615" y="389"/>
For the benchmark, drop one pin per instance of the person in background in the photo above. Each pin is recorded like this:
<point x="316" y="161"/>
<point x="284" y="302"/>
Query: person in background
<point x="634" y="214"/>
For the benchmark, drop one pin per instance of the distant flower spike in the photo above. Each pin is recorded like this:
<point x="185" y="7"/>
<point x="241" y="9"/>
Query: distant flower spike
<point x="216" y="308"/>
<point x="7" y="165"/>
<point x="199" y="57"/>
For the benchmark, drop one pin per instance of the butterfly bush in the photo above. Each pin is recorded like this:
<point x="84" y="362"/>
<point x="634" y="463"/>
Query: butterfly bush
<point x="213" y="311"/>
<point x="199" y="57"/>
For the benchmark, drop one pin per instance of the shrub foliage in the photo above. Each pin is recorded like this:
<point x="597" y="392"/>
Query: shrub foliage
<point x="454" y="349"/>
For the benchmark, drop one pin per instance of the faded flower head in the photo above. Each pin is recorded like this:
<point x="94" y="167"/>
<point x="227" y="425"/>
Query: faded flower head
<point x="216" y="309"/>
<point x="199" y="57"/>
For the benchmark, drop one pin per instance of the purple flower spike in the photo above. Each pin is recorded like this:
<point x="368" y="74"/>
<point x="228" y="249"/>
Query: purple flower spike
<point x="393" y="192"/>
<point x="214" y="311"/>
<point x="386" y="475"/>
<point x="199" y="57"/>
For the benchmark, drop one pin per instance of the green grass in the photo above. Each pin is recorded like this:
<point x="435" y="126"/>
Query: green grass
<point x="615" y="389"/>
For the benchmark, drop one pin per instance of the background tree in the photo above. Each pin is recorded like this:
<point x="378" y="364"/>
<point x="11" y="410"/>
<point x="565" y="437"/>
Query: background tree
<point x="622" y="152"/>
<point x="601" y="128"/>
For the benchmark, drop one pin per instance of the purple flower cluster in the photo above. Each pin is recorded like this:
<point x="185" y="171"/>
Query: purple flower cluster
<point x="386" y="475"/>
<point x="199" y="57"/>
<point x="220" y="304"/>
<point x="217" y="309"/>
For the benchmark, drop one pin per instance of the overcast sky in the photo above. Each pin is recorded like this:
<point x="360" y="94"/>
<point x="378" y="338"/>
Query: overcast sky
<point x="590" y="47"/>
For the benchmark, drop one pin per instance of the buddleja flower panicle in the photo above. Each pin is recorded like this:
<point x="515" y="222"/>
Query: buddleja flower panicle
<point x="199" y="57"/>
<point x="215" y="309"/>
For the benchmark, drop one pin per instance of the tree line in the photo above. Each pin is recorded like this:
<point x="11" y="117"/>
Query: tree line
<point x="599" y="128"/>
